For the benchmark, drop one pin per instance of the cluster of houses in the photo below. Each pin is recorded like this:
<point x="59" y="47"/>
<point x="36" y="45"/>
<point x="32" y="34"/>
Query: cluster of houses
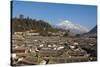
<point x="30" y="48"/>
<point x="35" y="33"/>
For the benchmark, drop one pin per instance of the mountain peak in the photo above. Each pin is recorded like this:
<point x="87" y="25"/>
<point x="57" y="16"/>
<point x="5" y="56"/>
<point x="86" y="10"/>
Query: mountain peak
<point x="68" y="25"/>
<point x="65" y="22"/>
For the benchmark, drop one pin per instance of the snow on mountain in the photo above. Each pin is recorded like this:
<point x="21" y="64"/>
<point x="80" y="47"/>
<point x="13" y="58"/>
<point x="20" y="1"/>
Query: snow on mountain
<point x="76" y="28"/>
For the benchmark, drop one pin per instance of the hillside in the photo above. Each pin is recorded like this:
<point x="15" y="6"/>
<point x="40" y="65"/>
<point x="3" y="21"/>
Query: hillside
<point x="22" y="23"/>
<point x="94" y="30"/>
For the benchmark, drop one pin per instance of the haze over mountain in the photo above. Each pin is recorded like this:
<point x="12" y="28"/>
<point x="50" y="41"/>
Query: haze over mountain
<point x="76" y="28"/>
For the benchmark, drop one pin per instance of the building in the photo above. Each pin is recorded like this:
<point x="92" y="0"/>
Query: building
<point x="32" y="34"/>
<point x="50" y="53"/>
<point x="18" y="33"/>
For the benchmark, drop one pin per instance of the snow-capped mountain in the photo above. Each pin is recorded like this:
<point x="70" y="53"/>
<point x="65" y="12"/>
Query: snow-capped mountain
<point x="76" y="28"/>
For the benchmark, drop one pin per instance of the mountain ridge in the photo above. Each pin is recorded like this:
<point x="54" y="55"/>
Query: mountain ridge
<point x="76" y="28"/>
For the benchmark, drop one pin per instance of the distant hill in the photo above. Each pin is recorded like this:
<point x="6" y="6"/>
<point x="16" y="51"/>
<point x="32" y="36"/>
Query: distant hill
<point x="91" y="33"/>
<point x="22" y="23"/>
<point x="94" y="30"/>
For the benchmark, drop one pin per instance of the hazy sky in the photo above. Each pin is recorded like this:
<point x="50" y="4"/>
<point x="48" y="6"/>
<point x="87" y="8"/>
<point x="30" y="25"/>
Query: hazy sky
<point x="84" y="15"/>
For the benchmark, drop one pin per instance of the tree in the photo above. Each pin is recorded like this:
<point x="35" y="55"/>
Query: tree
<point x="25" y="23"/>
<point x="21" y="16"/>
